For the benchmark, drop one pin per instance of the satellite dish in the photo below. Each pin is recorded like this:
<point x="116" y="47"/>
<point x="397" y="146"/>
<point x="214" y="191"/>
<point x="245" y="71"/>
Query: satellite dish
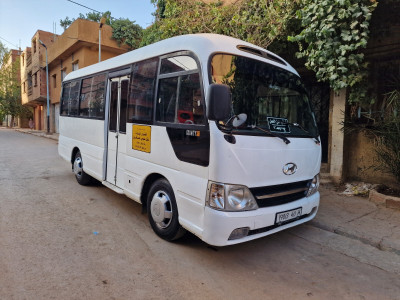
<point x="239" y="120"/>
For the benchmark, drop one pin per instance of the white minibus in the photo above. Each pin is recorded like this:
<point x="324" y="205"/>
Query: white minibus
<point x="209" y="133"/>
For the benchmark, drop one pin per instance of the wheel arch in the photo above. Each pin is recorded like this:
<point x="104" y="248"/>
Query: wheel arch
<point x="73" y="153"/>
<point x="150" y="179"/>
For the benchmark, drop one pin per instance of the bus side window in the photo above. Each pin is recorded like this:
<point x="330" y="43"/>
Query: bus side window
<point x="64" y="99"/>
<point x="141" y="92"/>
<point x="179" y="100"/>
<point x="92" y="97"/>
<point x="70" y="101"/>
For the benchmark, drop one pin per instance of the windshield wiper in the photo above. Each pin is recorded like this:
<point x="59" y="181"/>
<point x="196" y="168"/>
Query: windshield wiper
<point x="283" y="138"/>
<point x="317" y="141"/>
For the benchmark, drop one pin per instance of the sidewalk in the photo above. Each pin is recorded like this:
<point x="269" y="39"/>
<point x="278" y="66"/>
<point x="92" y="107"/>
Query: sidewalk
<point x="53" y="136"/>
<point x="357" y="218"/>
<point x="351" y="216"/>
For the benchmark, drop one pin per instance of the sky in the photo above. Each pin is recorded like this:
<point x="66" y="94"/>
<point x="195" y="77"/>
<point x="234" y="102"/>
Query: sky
<point x="20" y="19"/>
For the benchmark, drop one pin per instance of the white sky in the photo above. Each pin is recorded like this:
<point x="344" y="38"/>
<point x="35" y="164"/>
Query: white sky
<point x="20" y="19"/>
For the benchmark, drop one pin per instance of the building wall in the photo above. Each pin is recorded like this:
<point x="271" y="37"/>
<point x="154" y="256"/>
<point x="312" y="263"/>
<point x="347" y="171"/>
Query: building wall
<point x="24" y="63"/>
<point x="79" y="44"/>
<point x="33" y="69"/>
<point x="361" y="160"/>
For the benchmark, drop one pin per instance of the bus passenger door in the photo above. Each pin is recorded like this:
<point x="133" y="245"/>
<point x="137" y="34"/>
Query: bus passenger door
<point x="117" y="130"/>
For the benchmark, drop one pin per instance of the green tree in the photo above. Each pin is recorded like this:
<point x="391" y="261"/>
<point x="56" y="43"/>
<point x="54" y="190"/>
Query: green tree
<point x="256" y="21"/>
<point x="127" y="32"/>
<point x="334" y="33"/>
<point x="10" y="89"/>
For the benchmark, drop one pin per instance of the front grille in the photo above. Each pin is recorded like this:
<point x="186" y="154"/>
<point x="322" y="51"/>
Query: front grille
<point x="280" y="194"/>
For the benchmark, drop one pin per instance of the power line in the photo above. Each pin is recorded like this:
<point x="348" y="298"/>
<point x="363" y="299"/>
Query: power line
<point x="112" y="18"/>
<point x="85" y="6"/>
<point x="9" y="42"/>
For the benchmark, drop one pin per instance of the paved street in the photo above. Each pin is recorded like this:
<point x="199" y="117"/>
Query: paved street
<point x="60" y="240"/>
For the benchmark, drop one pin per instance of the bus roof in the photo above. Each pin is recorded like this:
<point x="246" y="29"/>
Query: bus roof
<point x="202" y="44"/>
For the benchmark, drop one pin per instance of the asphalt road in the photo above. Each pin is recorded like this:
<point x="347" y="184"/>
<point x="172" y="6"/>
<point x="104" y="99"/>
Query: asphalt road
<point x="60" y="240"/>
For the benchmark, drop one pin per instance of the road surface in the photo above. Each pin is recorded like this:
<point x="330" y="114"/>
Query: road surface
<point x="60" y="240"/>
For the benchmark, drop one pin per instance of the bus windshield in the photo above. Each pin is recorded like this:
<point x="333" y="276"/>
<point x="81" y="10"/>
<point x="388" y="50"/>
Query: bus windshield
<point x="270" y="99"/>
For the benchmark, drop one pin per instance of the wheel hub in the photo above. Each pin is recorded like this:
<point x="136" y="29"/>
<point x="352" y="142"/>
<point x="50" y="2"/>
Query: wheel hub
<point x="78" y="166"/>
<point x="160" y="209"/>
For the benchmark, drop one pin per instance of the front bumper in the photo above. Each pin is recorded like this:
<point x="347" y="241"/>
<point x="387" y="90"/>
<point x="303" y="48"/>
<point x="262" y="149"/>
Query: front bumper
<point x="218" y="225"/>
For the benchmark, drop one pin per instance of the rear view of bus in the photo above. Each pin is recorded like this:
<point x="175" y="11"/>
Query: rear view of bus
<point x="211" y="134"/>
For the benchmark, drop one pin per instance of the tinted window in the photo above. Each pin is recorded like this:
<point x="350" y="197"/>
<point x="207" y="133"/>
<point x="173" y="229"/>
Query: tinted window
<point x="92" y="97"/>
<point x="141" y="93"/>
<point x="113" y="106"/>
<point x="122" y="109"/>
<point x="166" y="101"/>
<point x="69" y="99"/>
<point x="178" y="64"/>
<point x="180" y="101"/>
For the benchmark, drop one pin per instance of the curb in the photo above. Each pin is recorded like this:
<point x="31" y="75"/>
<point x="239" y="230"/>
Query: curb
<point x="388" y="201"/>
<point x="380" y="245"/>
<point x="39" y="133"/>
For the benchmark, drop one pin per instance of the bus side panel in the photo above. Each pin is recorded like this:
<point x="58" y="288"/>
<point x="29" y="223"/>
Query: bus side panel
<point x="89" y="141"/>
<point x="189" y="181"/>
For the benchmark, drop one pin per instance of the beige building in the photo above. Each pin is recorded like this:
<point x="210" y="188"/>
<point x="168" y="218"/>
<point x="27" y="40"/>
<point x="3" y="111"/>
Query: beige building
<point x="33" y="77"/>
<point x="76" y="48"/>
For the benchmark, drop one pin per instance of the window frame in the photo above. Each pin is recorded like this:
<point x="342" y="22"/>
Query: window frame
<point x="205" y="124"/>
<point x="79" y="80"/>
<point x="105" y="95"/>
<point x="79" y="95"/>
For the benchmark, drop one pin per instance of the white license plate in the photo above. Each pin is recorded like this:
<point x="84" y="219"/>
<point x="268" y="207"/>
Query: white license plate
<point x="285" y="216"/>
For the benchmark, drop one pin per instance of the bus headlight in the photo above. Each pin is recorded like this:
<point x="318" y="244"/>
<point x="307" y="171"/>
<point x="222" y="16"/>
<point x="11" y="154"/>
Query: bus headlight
<point x="313" y="188"/>
<point x="230" y="197"/>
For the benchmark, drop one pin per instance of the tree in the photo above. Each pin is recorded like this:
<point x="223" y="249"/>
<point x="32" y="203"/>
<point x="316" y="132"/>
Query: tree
<point x="334" y="33"/>
<point x="127" y="32"/>
<point x="10" y="89"/>
<point x="256" y="21"/>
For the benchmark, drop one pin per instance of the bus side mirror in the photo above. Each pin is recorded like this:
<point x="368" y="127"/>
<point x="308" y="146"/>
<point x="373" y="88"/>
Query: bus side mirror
<point x="219" y="102"/>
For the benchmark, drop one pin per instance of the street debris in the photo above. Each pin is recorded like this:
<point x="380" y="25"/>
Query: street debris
<point x="358" y="189"/>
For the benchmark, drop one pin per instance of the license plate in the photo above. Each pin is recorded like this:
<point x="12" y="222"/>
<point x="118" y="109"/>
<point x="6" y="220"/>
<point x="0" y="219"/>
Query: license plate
<point x="285" y="216"/>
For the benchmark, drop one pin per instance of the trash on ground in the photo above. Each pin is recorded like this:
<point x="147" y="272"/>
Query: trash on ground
<point x="358" y="189"/>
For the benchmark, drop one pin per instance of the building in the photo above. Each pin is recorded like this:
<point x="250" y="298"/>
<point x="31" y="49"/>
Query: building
<point x="76" y="48"/>
<point x="33" y="77"/>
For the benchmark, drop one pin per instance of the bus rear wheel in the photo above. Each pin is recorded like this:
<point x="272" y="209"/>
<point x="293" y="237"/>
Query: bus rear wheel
<point x="163" y="211"/>
<point x="77" y="167"/>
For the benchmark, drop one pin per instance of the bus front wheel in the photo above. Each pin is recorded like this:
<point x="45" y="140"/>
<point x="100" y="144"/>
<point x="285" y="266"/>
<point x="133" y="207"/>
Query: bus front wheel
<point x="163" y="211"/>
<point x="80" y="175"/>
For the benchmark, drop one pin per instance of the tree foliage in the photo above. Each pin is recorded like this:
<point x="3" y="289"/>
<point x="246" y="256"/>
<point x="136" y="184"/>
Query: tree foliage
<point x="335" y="32"/>
<point x="10" y="89"/>
<point x="127" y="32"/>
<point x="256" y="21"/>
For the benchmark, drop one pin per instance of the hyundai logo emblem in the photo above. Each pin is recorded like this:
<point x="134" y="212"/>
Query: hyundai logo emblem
<point x="289" y="169"/>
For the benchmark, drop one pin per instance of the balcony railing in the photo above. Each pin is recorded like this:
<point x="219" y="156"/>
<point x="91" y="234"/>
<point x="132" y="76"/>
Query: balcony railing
<point x="29" y="90"/>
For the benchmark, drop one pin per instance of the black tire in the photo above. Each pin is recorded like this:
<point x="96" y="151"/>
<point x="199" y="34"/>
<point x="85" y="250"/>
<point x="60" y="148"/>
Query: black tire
<point x="163" y="212"/>
<point x="77" y="167"/>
